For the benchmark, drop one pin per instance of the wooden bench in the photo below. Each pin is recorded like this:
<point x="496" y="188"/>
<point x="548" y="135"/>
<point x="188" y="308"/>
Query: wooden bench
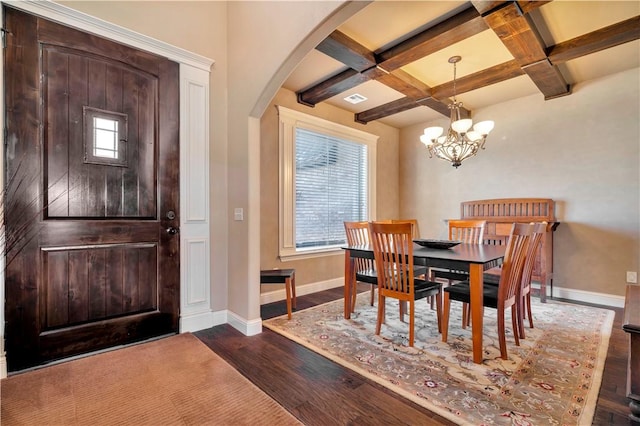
<point x="282" y="276"/>
<point x="500" y="213"/>
<point x="631" y="324"/>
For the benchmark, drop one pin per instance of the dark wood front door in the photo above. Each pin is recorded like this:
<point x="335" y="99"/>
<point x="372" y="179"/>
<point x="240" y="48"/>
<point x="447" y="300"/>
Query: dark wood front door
<point x="91" y="208"/>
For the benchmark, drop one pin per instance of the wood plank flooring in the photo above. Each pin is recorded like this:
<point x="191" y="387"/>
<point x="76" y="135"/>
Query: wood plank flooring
<point x="320" y="392"/>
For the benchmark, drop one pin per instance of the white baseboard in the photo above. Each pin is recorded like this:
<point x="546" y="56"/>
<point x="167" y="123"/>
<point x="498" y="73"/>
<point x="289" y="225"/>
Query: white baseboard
<point x="202" y="320"/>
<point x="244" y="326"/>
<point x="277" y="295"/>
<point x="587" y="296"/>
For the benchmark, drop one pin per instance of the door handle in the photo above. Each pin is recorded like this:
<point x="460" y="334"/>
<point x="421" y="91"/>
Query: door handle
<point x="172" y="231"/>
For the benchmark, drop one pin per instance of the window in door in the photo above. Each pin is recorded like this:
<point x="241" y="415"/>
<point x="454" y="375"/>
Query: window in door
<point x="105" y="137"/>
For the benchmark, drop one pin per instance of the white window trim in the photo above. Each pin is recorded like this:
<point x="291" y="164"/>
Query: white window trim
<point x="289" y="120"/>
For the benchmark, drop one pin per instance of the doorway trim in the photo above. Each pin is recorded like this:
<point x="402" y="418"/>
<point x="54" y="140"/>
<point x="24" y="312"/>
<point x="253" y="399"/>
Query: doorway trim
<point x="195" y="289"/>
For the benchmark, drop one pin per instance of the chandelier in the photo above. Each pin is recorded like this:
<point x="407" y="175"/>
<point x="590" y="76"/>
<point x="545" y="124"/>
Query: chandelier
<point x="459" y="143"/>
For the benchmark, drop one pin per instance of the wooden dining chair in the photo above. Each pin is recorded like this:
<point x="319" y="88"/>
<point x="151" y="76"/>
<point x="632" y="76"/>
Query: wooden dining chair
<point x="393" y="252"/>
<point x="505" y="294"/>
<point x="419" y="271"/>
<point x="539" y="229"/>
<point x="358" y="234"/>
<point x="415" y="231"/>
<point x="469" y="232"/>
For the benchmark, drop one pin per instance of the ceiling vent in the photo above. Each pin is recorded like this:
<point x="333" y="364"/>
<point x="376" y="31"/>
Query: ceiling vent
<point x="355" y="98"/>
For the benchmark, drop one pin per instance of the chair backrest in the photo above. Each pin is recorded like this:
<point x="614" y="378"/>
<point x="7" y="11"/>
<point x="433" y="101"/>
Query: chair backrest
<point x="539" y="229"/>
<point x="467" y="231"/>
<point x="513" y="264"/>
<point x="393" y="252"/>
<point x="358" y="235"/>
<point x="414" y="222"/>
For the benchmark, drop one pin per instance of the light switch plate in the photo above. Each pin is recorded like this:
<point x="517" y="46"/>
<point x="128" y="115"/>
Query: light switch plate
<point x="632" y="277"/>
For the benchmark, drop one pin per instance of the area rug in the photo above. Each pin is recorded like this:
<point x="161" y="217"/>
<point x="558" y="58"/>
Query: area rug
<point x="552" y="378"/>
<point x="172" y="381"/>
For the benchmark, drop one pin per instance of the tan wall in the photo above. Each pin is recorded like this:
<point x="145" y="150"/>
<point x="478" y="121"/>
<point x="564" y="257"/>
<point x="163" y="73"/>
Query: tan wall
<point x="581" y="150"/>
<point x="387" y="206"/>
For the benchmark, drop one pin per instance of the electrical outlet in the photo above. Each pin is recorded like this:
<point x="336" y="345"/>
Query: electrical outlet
<point x="632" y="277"/>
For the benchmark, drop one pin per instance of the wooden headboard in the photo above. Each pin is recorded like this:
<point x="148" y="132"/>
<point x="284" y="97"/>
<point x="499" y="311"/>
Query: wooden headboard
<point x="501" y="213"/>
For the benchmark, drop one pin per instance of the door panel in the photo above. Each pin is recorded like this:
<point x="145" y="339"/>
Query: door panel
<point x="92" y="156"/>
<point x="125" y="188"/>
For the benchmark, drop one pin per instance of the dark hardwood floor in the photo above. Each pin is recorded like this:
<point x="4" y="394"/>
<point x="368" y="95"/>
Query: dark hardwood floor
<point x="320" y="392"/>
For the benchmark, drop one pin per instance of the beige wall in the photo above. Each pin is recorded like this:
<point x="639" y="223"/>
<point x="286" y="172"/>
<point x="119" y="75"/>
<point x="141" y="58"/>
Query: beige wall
<point x="581" y="150"/>
<point x="387" y="193"/>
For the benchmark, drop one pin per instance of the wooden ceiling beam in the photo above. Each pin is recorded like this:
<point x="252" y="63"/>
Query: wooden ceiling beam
<point x="332" y="86"/>
<point x="604" y="38"/>
<point x="343" y="48"/>
<point x="390" y="108"/>
<point x="417" y="93"/>
<point x="487" y="77"/>
<point x="520" y="36"/>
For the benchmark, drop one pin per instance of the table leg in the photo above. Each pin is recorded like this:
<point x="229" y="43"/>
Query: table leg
<point x="348" y="282"/>
<point x="475" y="284"/>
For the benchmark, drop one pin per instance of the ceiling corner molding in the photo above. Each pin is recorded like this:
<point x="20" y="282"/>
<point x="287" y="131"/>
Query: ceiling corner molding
<point x="64" y="15"/>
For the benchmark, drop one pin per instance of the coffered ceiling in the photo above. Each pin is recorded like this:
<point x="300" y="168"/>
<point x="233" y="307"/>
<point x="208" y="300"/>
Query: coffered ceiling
<point x="395" y="54"/>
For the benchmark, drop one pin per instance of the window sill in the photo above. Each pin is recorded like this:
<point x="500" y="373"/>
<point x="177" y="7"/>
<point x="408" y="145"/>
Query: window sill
<point x="310" y="254"/>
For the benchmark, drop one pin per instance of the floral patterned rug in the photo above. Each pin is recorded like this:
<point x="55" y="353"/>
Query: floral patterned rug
<point x="552" y="378"/>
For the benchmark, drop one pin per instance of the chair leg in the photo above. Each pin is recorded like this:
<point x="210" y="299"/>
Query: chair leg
<point x="516" y="323"/>
<point x="520" y="315"/>
<point x="403" y="309"/>
<point x="354" y="292"/>
<point x="439" y="310"/>
<point x="465" y="315"/>
<point x="373" y="294"/>
<point x="529" y="310"/>
<point x="501" y="334"/>
<point x="445" y="316"/>
<point x="380" y="320"/>
<point x="412" y="309"/>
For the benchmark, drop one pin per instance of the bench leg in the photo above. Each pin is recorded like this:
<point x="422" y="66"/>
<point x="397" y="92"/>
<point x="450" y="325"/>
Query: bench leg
<point x="287" y="285"/>
<point x="293" y="291"/>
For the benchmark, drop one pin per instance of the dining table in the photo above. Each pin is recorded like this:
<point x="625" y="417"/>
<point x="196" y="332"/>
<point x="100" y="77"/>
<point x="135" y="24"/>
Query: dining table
<point x="471" y="258"/>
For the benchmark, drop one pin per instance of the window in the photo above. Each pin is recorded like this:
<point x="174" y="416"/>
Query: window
<point x="327" y="177"/>
<point x="105" y="135"/>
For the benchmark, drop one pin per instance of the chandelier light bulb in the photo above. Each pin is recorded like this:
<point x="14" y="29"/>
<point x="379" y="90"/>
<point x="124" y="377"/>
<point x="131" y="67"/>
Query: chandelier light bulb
<point x="473" y="136"/>
<point x="484" y="127"/>
<point x="433" y="132"/>
<point x="461" y="126"/>
<point x="425" y="140"/>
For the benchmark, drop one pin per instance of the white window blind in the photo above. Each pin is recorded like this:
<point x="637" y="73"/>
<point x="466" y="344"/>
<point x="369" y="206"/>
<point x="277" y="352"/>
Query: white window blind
<point x="327" y="176"/>
<point x="330" y="188"/>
